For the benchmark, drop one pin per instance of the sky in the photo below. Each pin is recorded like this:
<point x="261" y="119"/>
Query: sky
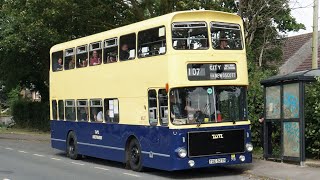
<point x="302" y="10"/>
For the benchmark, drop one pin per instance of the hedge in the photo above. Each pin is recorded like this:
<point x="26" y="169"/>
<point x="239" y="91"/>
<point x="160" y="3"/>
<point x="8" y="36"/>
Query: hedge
<point x="27" y="114"/>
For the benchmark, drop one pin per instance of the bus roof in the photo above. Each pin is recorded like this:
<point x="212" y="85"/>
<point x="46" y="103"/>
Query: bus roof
<point x="138" y="26"/>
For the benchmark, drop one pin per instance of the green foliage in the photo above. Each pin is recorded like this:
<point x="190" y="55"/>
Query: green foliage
<point x="312" y="119"/>
<point x="256" y="96"/>
<point x="14" y="96"/>
<point x="27" y="114"/>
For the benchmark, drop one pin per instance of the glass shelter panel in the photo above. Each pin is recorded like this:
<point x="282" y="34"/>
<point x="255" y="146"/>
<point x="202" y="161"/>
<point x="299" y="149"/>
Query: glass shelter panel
<point x="291" y="139"/>
<point x="273" y="102"/>
<point x="291" y="101"/>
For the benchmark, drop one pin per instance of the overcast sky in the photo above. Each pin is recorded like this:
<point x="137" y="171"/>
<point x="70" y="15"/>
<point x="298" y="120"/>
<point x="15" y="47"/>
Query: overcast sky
<point x="302" y="10"/>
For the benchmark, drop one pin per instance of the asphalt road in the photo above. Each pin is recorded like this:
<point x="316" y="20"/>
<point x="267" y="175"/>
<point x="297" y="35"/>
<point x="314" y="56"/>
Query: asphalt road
<point x="36" y="160"/>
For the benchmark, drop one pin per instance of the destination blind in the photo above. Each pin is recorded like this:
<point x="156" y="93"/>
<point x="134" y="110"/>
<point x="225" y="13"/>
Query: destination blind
<point x="216" y="71"/>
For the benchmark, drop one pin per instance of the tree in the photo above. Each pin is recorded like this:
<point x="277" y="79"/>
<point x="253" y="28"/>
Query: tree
<point x="30" y="27"/>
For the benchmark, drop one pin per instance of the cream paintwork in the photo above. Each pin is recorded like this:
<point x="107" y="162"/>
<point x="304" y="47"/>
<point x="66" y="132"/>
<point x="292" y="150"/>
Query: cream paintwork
<point x="129" y="81"/>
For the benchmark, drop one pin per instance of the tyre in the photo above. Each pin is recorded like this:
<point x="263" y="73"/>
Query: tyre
<point x="134" y="155"/>
<point x="72" y="146"/>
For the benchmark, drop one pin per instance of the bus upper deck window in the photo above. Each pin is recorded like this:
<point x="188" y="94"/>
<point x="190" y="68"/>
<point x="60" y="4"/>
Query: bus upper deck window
<point x="110" y="50"/>
<point x="190" y="35"/>
<point x="82" y="56"/>
<point x="152" y="42"/>
<point x="226" y="36"/>
<point x="57" y="61"/>
<point x="127" y="47"/>
<point x="95" y="54"/>
<point x="69" y="59"/>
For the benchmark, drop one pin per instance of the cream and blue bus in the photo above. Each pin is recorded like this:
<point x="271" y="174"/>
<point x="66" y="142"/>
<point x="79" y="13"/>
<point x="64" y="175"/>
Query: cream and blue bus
<point x="167" y="93"/>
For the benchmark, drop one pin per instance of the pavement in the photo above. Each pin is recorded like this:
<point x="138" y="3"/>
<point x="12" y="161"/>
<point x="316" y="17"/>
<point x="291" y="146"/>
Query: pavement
<point x="30" y="156"/>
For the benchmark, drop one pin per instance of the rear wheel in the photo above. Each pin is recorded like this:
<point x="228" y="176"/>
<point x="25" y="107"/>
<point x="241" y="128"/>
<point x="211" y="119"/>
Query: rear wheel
<point x="72" y="146"/>
<point x="134" y="155"/>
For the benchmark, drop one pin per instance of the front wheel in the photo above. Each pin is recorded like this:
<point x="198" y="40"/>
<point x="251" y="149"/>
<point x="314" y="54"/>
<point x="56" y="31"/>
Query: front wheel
<point x="134" y="153"/>
<point x="72" y="146"/>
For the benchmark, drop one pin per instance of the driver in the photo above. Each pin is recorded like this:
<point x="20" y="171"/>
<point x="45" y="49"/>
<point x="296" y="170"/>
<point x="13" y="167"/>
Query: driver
<point x="177" y="111"/>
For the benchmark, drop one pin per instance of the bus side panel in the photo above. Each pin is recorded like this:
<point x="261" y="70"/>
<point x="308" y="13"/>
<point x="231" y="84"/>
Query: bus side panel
<point x="155" y="144"/>
<point x="153" y="141"/>
<point x="107" y="141"/>
<point x="100" y="140"/>
<point x="58" y="134"/>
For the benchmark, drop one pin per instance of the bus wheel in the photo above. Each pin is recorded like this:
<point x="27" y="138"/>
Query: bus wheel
<point x="72" y="147"/>
<point x="134" y="153"/>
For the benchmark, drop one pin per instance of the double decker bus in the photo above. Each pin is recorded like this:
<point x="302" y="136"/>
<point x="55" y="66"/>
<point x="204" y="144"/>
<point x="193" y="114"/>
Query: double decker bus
<point x="167" y="93"/>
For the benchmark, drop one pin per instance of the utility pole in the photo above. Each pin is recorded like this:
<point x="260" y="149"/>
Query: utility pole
<point x="315" y="36"/>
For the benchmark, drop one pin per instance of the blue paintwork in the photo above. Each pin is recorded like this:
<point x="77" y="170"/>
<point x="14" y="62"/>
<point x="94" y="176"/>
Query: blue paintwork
<point x="158" y="144"/>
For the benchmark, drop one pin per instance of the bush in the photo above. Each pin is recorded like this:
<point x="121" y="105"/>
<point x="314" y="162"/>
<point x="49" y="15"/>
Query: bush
<point x="312" y="119"/>
<point x="256" y="99"/>
<point x="27" y="114"/>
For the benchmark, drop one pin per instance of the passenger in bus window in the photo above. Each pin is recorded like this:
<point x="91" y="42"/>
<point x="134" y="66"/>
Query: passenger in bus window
<point x="83" y="63"/>
<point x="112" y="59"/>
<point x="99" y="116"/>
<point x="59" y="65"/>
<point x="83" y="114"/>
<point x="223" y="44"/>
<point x="95" y="60"/>
<point x="124" y="54"/>
<point x="72" y="63"/>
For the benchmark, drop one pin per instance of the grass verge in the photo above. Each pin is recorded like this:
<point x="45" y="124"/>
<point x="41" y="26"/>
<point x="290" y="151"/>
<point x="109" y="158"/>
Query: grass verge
<point x="14" y="130"/>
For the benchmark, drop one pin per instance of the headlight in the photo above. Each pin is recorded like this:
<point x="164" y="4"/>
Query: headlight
<point x="242" y="158"/>
<point x="249" y="147"/>
<point x="191" y="163"/>
<point x="182" y="152"/>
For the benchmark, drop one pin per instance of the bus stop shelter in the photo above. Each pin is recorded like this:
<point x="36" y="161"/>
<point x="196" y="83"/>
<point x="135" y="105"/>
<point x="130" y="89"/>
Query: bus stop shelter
<point x="284" y="124"/>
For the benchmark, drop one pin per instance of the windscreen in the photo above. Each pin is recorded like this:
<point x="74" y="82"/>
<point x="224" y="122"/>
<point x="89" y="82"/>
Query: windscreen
<point x="197" y="105"/>
<point x="190" y="35"/>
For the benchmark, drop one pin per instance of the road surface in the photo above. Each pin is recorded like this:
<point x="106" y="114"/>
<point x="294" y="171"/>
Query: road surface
<point x="36" y="160"/>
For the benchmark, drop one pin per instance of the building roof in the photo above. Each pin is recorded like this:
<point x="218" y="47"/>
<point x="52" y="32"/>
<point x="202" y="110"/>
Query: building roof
<point x="297" y="54"/>
<point x="293" y="44"/>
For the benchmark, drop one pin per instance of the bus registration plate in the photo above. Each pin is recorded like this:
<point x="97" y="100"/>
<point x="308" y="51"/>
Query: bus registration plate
<point x="217" y="161"/>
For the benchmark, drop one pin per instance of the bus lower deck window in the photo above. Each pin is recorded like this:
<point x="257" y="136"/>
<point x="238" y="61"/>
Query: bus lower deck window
<point x="111" y="107"/>
<point x="82" y="110"/>
<point x="96" y="111"/>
